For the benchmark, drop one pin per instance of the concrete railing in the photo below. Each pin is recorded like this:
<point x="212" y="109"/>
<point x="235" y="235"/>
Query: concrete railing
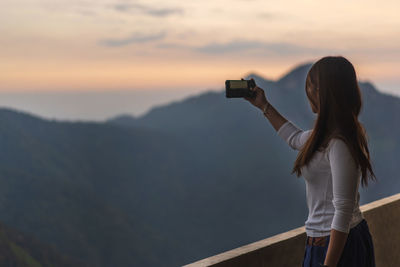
<point x="287" y="249"/>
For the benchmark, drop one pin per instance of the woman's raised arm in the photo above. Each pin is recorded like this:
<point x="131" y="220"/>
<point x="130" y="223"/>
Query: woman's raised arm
<point x="261" y="102"/>
<point x="293" y="135"/>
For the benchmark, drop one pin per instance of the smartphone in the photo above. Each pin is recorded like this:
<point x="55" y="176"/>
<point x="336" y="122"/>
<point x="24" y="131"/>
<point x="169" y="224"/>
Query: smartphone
<point x="239" y="88"/>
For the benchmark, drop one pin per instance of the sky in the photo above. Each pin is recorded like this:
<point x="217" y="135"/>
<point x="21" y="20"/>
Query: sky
<point x="75" y="47"/>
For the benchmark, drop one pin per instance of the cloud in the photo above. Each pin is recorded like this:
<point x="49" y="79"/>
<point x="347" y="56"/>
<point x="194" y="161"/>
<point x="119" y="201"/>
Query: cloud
<point x="134" y="38"/>
<point x="174" y="45"/>
<point x="268" y="15"/>
<point x="249" y="46"/>
<point x="157" y="12"/>
<point x="233" y="46"/>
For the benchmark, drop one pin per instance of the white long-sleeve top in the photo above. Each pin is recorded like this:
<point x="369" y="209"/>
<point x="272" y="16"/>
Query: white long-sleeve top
<point x="332" y="180"/>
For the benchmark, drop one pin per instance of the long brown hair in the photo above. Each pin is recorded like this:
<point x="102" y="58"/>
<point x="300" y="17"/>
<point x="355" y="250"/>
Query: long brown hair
<point x="339" y="105"/>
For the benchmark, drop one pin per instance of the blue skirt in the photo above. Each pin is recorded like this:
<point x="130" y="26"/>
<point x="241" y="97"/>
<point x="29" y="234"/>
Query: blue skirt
<point x="358" y="250"/>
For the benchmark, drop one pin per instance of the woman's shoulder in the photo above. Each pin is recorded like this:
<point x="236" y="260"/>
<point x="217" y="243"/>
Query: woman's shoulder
<point x="333" y="140"/>
<point x="338" y="146"/>
<point x="340" y="153"/>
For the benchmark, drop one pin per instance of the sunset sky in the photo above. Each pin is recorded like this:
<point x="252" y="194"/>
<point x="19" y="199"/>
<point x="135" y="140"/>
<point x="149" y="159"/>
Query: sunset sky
<point x="78" y="45"/>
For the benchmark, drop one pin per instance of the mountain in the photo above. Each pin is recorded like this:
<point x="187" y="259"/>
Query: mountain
<point x="243" y="166"/>
<point x="185" y="181"/>
<point x="68" y="185"/>
<point x="291" y="79"/>
<point x="210" y="115"/>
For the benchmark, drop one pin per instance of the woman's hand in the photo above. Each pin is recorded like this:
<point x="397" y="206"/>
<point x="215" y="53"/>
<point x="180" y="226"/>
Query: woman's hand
<point x="259" y="100"/>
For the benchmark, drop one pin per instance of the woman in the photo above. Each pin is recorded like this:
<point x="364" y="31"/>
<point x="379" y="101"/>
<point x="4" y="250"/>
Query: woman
<point x="333" y="157"/>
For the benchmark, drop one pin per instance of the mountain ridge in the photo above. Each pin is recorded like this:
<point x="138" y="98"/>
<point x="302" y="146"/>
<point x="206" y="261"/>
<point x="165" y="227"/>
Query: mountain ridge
<point x="205" y="168"/>
<point x="286" y="80"/>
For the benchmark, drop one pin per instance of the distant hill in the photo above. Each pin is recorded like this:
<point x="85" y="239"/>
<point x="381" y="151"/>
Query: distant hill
<point x="184" y="181"/>
<point x="213" y="116"/>
<point x="243" y="166"/>
<point x="72" y="184"/>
